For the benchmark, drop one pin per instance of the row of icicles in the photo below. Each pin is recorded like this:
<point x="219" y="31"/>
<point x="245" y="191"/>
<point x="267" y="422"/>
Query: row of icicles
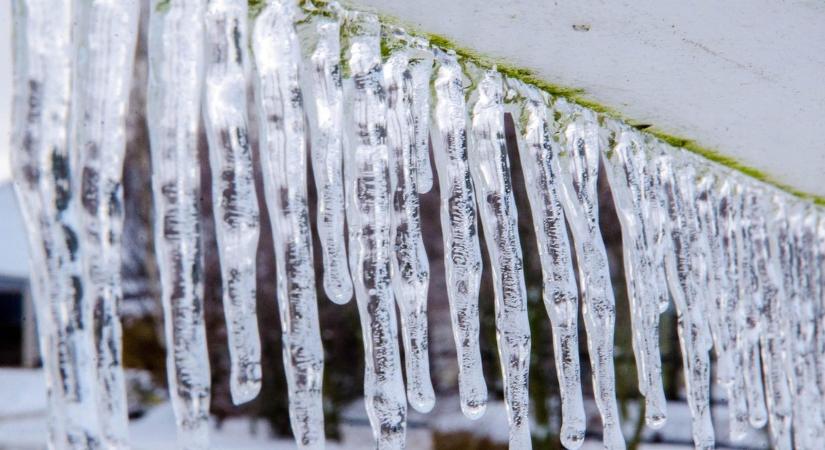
<point x="741" y="261"/>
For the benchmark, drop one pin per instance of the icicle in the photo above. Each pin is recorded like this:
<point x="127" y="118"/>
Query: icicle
<point x="728" y="335"/>
<point x="233" y="187"/>
<point x="421" y="71"/>
<point x="490" y="170"/>
<point x="462" y="254"/>
<point x="771" y="341"/>
<point x="42" y="83"/>
<point x="173" y="114"/>
<point x="411" y="270"/>
<point x="367" y="180"/>
<point x="530" y="113"/>
<point x="321" y="80"/>
<point x="104" y="52"/>
<point x="792" y="238"/>
<point x="687" y="274"/>
<point x="578" y="164"/>
<point x="750" y="305"/>
<point x="283" y="152"/>
<point x="819" y="300"/>
<point x="624" y="166"/>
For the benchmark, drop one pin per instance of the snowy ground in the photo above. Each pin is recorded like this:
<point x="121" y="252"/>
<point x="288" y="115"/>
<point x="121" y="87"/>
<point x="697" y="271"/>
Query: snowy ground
<point x="23" y="425"/>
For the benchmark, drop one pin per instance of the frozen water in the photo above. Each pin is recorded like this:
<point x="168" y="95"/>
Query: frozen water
<point x="173" y="109"/>
<point x="233" y="187"/>
<point x="324" y="102"/>
<point x="105" y="37"/>
<point x="462" y="254"/>
<point x="410" y="268"/>
<point x="490" y="169"/>
<point x="577" y="162"/>
<point x="536" y="149"/>
<point x="283" y="150"/>
<point x="369" y="205"/>
<point x="744" y="263"/>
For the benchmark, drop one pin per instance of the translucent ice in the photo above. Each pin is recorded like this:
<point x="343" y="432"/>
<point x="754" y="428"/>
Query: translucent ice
<point x="173" y="114"/>
<point x="283" y="150"/>
<point x="577" y="162"/>
<point x="233" y="187"/>
<point x="490" y="169"/>
<point x="536" y="149"/>
<point x="106" y="34"/>
<point x="411" y="270"/>
<point x="462" y="254"/>
<point x="369" y="206"/>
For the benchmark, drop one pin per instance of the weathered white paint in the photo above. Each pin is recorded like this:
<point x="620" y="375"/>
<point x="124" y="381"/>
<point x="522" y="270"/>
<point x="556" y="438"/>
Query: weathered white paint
<point x="745" y="78"/>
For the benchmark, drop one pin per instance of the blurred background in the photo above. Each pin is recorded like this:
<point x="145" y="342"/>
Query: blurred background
<point x="264" y="422"/>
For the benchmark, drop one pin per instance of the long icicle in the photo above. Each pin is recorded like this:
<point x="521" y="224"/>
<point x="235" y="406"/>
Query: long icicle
<point x="686" y="269"/>
<point x="105" y="51"/>
<point x="462" y="254"/>
<point x="283" y="152"/>
<point x="624" y="166"/>
<point x="578" y="164"/>
<point x="729" y="216"/>
<point x="233" y="188"/>
<point x="750" y="305"/>
<point x="561" y="296"/>
<point x="774" y="363"/>
<point x="367" y="181"/>
<point x="490" y="169"/>
<point x="42" y="81"/>
<point x="323" y="94"/>
<point x="792" y="238"/>
<point x="173" y="111"/>
<point x="411" y="270"/>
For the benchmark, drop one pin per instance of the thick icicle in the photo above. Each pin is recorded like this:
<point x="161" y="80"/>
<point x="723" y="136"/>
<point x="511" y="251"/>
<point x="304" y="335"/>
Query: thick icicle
<point x="173" y="114"/>
<point x="686" y="272"/>
<point x="777" y="390"/>
<point x="410" y="268"/>
<point x="577" y="162"/>
<point x="233" y="187"/>
<point x="40" y="167"/>
<point x="750" y="307"/>
<point x="283" y="150"/>
<point x="321" y="81"/>
<point x="624" y="165"/>
<point x="106" y="33"/>
<point x="727" y="336"/>
<point x="529" y="109"/>
<point x="462" y="254"/>
<point x="792" y="234"/>
<point x="490" y="170"/>
<point x="369" y="205"/>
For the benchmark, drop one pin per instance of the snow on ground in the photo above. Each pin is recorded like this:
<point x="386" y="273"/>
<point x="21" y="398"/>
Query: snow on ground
<point x="23" y="424"/>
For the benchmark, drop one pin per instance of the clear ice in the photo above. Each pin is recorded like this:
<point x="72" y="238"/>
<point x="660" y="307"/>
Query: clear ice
<point x="459" y="229"/>
<point x="686" y="265"/>
<point x="490" y="170"/>
<point x="105" y="38"/>
<point x="283" y="150"/>
<point x="410" y="268"/>
<point x="173" y="112"/>
<point x="624" y="165"/>
<point x="233" y="187"/>
<point x="743" y="262"/>
<point x="324" y="103"/>
<point x="577" y="162"/>
<point x="369" y="209"/>
<point x="43" y="171"/>
<point x="528" y="106"/>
